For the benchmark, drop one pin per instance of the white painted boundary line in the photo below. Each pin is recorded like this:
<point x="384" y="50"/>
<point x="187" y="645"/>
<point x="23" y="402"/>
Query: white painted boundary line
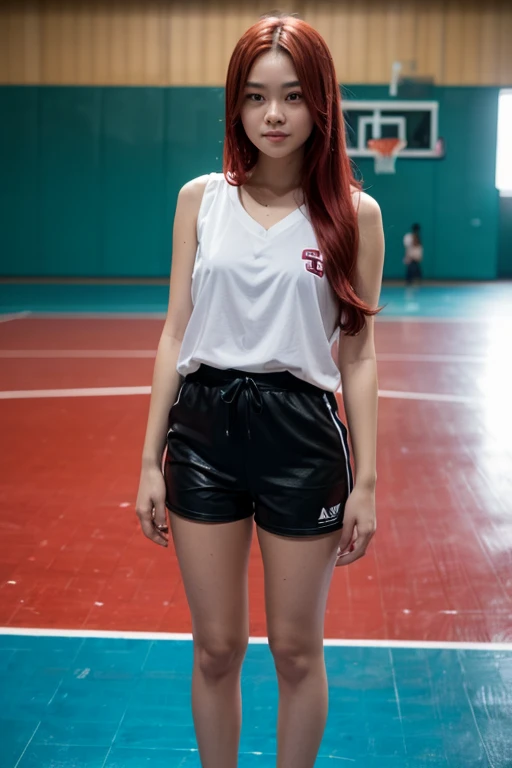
<point x="27" y="394"/>
<point x="14" y="316"/>
<point x="163" y="315"/>
<point x="100" y="315"/>
<point x="22" y="354"/>
<point x="397" y="357"/>
<point x="434" y="398"/>
<point x="415" y="319"/>
<point x="426" y="396"/>
<point x="393" y="357"/>
<point x="130" y="635"/>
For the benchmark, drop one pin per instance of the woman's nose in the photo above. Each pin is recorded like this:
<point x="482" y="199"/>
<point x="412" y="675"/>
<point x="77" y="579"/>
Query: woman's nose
<point x="274" y="113"/>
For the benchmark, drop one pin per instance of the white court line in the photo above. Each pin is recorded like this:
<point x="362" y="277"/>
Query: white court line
<point x="431" y="397"/>
<point x="394" y="357"/>
<point x="22" y="354"/>
<point x="29" y="394"/>
<point x="13" y="316"/>
<point x="414" y="319"/>
<point x="163" y="315"/>
<point x="334" y="642"/>
<point x="100" y="315"/>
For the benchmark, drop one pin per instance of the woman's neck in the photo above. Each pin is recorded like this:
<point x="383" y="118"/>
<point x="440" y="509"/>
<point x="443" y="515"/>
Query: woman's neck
<point x="280" y="176"/>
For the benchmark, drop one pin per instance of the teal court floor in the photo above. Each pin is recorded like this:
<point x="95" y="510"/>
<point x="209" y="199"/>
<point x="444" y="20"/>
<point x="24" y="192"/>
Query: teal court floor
<point x="105" y="702"/>
<point x="470" y="301"/>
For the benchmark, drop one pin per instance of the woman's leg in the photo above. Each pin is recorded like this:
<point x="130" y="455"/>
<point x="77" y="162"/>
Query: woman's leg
<point x="298" y="573"/>
<point x="213" y="559"/>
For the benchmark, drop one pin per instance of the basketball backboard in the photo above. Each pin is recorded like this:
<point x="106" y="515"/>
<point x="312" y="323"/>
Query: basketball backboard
<point x="414" y="122"/>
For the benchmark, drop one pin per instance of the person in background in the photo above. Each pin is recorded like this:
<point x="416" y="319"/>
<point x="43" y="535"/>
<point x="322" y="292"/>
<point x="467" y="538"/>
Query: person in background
<point x="413" y="254"/>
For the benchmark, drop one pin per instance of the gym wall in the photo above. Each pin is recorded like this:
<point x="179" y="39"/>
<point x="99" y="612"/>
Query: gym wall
<point x="107" y="108"/>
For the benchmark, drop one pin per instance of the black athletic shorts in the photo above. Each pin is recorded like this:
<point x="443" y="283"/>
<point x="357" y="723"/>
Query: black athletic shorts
<point x="264" y="444"/>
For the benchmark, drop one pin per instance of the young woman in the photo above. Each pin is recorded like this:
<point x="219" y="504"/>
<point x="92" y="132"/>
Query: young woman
<point x="413" y="254"/>
<point x="270" y="259"/>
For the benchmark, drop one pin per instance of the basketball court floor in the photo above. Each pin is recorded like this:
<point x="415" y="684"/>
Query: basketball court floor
<point x="95" y="650"/>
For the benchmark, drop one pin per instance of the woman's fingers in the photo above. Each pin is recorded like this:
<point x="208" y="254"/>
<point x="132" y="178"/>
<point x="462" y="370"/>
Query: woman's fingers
<point x="160" y="517"/>
<point x="150" y="526"/>
<point x="357" y="549"/>
<point x="347" y="535"/>
<point x="150" y="506"/>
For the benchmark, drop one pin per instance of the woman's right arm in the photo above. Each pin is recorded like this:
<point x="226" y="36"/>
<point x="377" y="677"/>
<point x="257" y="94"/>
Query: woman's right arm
<point x="150" y="504"/>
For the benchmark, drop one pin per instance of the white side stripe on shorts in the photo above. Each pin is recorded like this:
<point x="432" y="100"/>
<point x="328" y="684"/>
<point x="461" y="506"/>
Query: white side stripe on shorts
<point x="176" y="403"/>
<point x="179" y="394"/>
<point x="345" y="450"/>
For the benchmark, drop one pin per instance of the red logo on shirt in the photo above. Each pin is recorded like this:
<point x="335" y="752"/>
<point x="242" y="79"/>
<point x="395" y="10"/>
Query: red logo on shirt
<point x="314" y="261"/>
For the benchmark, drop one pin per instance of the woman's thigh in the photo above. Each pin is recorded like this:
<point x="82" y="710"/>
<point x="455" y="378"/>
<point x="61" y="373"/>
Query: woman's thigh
<point x="298" y="574"/>
<point x="213" y="560"/>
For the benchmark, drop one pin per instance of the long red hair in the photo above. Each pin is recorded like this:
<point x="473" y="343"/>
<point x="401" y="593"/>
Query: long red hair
<point x="328" y="180"/>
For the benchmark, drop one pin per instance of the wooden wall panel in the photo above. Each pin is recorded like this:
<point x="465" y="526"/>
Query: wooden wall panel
<point x="406" y="47"/>
<point x="340" y="42"/>
<point x="489" y="43"/>
<point x="154" y="44"/>
<point x="379" y="43"/>
<point x="430" y="40"/>
<point x="85" y="45"/>
<point x="99" y="67"/>
<point x="176" y="34"/>
<point x="453" y="44"/>
<point x="216" y="54"/>
<point x="505" y="47"/>
<point x="358" y="23"/>
<point x="471" y="45"/>
<point x="188" y="42"/>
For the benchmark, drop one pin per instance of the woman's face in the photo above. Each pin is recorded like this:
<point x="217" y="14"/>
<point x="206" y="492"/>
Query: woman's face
<point x="274" y="104"/>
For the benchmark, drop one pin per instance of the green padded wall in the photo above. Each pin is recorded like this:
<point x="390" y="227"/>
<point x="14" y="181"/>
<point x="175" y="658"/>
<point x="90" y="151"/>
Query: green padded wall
<point x="453" y="199"/>
<point x="90" y="178"/>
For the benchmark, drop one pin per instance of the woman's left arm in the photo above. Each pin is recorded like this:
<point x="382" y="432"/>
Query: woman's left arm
<point x="358" y="369"/>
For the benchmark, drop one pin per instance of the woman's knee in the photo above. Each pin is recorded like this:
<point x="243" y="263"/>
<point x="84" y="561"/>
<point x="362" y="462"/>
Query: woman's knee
<point x="218" y="657"/>
<point x="293" y="659"/>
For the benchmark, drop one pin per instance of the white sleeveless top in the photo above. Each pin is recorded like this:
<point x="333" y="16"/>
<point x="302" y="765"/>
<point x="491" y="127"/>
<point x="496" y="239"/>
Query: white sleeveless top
<point x="261" y="298"/>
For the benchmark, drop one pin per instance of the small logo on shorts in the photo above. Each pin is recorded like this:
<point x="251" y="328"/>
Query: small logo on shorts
<point x="329" y="515"/>
<point x="314" y="261"/>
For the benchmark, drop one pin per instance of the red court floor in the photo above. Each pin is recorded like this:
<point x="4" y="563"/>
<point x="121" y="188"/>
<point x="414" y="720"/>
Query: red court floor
<point x="71" y="554"/>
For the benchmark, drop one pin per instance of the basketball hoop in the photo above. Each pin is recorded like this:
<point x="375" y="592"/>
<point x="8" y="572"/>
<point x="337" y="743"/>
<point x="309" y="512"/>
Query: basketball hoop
<point x="386" y="152"/>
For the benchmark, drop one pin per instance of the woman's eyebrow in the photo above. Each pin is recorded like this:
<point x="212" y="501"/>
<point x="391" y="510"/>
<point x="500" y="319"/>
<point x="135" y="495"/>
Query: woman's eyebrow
<point x="292" y="84"/>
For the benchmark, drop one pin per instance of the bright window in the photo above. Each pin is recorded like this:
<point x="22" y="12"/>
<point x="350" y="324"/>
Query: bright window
<point x="504" y="148"/>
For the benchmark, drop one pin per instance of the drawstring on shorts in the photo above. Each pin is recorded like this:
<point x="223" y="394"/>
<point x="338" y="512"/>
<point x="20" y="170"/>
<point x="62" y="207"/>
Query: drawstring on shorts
<point x="253" y="400"/>
<point x="234" y="383"/>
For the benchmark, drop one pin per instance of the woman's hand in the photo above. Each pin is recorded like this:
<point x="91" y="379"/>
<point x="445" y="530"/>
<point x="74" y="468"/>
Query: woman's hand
<point x="359" y="525"/>
<point x="150" y="505"/>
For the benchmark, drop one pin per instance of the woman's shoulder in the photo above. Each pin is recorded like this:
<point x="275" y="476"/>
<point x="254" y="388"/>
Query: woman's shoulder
<point x="192" y="192"/>
<point x="195" y="187"/>
<point x="368" y="209"/>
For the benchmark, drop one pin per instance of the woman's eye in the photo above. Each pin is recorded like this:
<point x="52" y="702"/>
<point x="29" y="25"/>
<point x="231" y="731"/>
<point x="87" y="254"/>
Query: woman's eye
<point x="257" y="97"/>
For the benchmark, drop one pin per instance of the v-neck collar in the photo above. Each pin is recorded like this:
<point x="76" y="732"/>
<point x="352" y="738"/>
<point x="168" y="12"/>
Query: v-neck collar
<point x="255" y="227"/>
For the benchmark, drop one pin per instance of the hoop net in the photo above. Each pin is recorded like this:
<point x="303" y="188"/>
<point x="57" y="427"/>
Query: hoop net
<point x="386" y="152"/>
